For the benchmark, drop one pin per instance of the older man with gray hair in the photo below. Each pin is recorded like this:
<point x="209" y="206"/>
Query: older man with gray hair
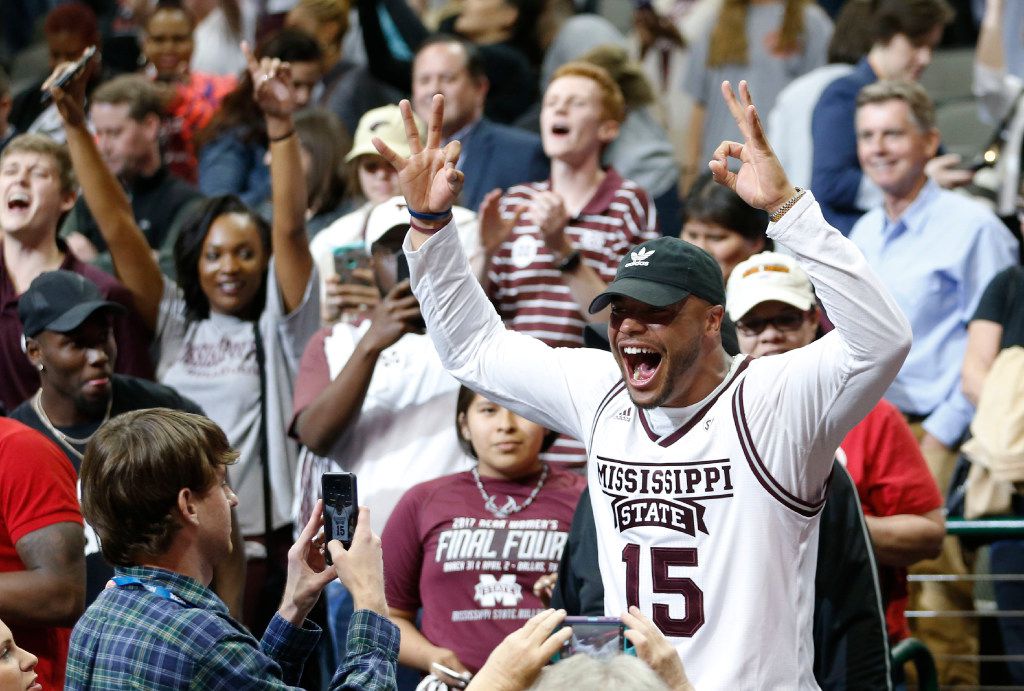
<point x="935" y="251"/>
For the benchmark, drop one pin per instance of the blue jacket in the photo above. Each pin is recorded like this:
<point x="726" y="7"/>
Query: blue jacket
<point x="836" y="173"/>
<point x="499" y="156"/>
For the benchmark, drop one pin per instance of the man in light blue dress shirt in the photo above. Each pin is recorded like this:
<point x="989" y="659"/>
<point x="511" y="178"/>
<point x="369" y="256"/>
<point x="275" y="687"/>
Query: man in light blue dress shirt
<point x="936" y="251"/>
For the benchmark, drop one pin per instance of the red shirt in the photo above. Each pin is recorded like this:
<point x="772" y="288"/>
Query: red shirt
<point x="472" y="573"/>
<point x="892" y="478"/>
<point x="191" y="109"/>
<point x="37" y="489"/>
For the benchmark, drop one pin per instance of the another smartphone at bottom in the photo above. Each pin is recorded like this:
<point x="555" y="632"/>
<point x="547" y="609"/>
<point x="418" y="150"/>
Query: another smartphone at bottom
<point x="594" y="636"/>
<point x="341" y="508"/>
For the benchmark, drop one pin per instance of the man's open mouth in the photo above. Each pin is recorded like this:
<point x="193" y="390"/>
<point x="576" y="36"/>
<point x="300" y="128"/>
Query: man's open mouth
<point x="641" y="364"/>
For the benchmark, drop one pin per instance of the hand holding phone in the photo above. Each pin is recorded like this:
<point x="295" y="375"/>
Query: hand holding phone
<point x="459" y="679"/>
<point x="69" y="74"/>
<point x="341" y="508"/>
<point x="348" y="258"/>
<point x="595" y="636"/>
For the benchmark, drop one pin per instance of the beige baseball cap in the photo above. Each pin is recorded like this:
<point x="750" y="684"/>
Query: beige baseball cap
<point x="385" y="123"/>
<point x="395" y="212"/>
<point x="767" y="277"/>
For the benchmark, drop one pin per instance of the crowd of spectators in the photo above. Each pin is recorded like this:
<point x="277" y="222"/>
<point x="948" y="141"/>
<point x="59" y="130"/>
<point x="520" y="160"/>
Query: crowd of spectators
<point x="202" y="220"/>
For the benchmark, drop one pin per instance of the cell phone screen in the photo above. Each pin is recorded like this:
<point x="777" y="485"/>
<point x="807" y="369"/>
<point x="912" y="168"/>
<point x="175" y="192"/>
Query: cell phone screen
<point x="594" y="636"/>
<point x="341" y="508"/>
<point x="348" y="258"/>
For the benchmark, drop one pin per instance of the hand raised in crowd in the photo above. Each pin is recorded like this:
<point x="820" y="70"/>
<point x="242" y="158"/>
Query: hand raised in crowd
<point x="273" y="91"/>
<point x="393" y="317"/>
<point x="361" y="566"/>
<point x="427" y="178"/>
<point x="518" y="659"/>
<point x="307" y="572"/>
<point x="548" y="211"/>
<point x="494" y="229"/>
<point x="761" y="181"/>
<point x="70" y="100"/>
<point x="358" y="295"/>
<point x="653" y="648"/>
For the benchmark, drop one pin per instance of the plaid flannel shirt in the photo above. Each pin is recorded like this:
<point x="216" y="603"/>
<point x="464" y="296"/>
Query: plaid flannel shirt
<point x="171" y="632"/>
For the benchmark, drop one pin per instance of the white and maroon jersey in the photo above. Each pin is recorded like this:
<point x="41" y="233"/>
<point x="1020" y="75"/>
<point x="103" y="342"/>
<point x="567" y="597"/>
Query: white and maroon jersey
<point x="706" y="515"/>
<point x="694" y="530"/>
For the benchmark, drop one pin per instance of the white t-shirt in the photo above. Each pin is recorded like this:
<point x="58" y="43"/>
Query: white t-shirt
<point x="213" y="362"/>
<point x="405" y="432"/>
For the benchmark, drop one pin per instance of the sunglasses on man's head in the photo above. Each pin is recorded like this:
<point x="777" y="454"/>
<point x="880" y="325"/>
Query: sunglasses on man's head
<point x="787" y="321"/>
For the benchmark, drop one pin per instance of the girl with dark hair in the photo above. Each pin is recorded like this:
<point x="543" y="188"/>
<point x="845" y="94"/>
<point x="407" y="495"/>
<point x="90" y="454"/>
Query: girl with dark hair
<point x="233" y="147"/>
<point x="230" y="336"/>
<point x="723" y="225"/>
<point x="467" y="548"/>
<point x="324" y="146"/>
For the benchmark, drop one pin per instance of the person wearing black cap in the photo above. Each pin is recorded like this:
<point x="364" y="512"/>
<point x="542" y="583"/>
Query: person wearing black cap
<point x="707" y="473"/>
<point x="69" y="339"/>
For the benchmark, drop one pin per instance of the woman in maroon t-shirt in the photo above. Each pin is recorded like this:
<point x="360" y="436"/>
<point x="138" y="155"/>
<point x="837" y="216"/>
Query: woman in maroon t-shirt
<point x="467" y="548"/>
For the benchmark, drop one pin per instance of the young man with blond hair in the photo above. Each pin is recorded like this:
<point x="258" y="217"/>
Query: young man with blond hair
<point x="557" y="242"/>
<point x="37" y="188"/>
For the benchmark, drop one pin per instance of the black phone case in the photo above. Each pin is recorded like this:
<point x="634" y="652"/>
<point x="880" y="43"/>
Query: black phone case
<point x="341" y="508"/>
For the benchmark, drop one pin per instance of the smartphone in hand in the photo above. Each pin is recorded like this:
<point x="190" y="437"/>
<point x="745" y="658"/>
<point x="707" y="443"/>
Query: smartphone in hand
<point x="348" y="258"/>
<point x="341" y="508"/>
<point x="70" y="74"/>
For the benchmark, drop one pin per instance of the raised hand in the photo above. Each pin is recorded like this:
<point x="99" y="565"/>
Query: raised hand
<point x="494" y="229"/>
<point x="70" y="100"/>
<point x="272" y="86"/>
<point x="760" y="182"/>
<point x="428" y="178"/>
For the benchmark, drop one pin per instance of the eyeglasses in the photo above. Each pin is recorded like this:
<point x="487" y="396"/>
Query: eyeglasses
<point x="785" y="322"/>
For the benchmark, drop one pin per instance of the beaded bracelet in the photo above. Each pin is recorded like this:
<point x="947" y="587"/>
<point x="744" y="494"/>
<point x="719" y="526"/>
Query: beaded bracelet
<point x="423" y="216"/>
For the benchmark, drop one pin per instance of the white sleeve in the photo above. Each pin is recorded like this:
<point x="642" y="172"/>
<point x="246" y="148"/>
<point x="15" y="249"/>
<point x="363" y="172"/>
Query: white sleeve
<point x="799" y="406"/>
<point x="996" y="90"/>
<point x="559" y="388"/>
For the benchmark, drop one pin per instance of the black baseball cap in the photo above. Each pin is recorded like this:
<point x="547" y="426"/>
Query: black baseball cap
<point x="662" y="272"/>
<point x="60" y="301"/>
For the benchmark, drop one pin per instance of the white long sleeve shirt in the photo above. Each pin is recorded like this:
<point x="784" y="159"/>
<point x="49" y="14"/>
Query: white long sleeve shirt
<point x="706" y="515"/>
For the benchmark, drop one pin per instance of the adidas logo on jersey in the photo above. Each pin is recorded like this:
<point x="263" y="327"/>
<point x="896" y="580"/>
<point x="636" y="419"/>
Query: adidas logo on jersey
<point x="626" y="414"/>
<point x="640" y="257"/>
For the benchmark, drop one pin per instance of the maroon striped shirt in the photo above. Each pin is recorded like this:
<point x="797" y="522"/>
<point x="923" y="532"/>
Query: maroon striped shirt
<point x="525" y="284"/>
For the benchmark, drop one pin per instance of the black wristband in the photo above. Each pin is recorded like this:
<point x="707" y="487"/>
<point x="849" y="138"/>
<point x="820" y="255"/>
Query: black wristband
<point x="570" y="262"/>
<point x="281" y="138"/>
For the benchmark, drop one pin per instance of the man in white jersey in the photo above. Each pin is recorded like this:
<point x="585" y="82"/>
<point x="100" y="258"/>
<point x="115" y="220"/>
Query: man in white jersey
<point x="706" y="472"/>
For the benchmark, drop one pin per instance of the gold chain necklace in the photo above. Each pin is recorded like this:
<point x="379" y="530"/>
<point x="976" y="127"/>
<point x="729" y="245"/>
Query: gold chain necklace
<point x="67" y="440"/>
